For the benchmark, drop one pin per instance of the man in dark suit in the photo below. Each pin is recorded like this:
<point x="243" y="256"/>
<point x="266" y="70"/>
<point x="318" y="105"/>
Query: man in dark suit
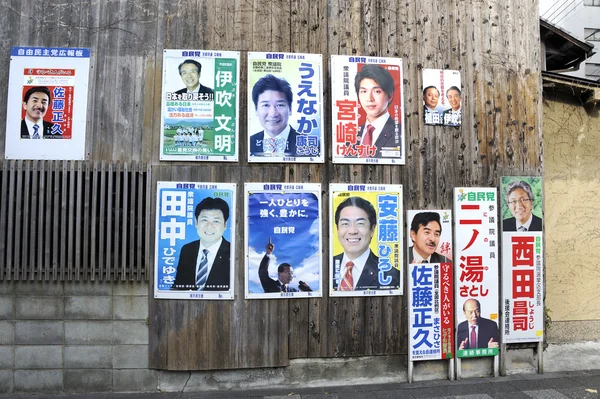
<point x="375" y="90"/>
<point x="476" y="331"/>
<point x="205" y="264"/>
<point x="452" y="116"/>
<point x="425" y="231"/>
<point x="285" y="275"/>
<point x="35" y="103"/>
<point x="190" y="70"/>
<point x="519" y="198"/>
<point x="272" y="99"/>
<point x="357" y="268"/>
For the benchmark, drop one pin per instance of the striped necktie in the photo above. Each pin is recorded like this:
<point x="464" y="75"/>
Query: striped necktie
<point x="36" y="133"/>
<point x="347" y="283"/>
<point x="202" y="274"/>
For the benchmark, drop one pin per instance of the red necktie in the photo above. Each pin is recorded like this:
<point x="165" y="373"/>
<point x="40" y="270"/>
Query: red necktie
<point x="367" y="139"/>
<point x="473" y="343"/>
<point x="347" y="283"/>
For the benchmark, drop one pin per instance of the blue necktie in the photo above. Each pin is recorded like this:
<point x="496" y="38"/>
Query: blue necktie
<point x="202" y="274"/>
<point x="36" y="134"/>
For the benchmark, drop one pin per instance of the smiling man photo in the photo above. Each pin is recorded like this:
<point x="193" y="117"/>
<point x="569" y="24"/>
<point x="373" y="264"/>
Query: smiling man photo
<point x="356" y="219"/>
<point x="190" y="70"/>
<point x="520" y="200"/>
<point x="35" y="103"/>
<point x="425" y="231"/>
<point x="272" y="99"/>
<point x="204" y="264"/>
<point x="375" y="90"/>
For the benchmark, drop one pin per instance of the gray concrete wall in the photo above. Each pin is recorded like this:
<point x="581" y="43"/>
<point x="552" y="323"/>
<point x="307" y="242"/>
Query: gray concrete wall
<point x="74" y="337"/>
<point x="93" y="337"/>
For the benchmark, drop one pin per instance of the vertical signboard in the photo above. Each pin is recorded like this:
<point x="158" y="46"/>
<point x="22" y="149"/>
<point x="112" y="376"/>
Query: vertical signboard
<point x="366" y="239"/>
<point x="442" y="97"/>
<point x="430" y="298"/>
<point x="367" y="110"/>
<point x="47" y="103"/>
<point x="522" y="260"/>
<point x="283" y="240"/>
<point x="199" y="118"/>
<point x="195" y="240"/>
<point x="476" y="271"/>
<point x="285" y="108"/>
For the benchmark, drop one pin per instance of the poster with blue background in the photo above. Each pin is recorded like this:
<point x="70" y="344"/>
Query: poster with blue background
<point x="194" y="240"/>
<point x="283" y="240"/>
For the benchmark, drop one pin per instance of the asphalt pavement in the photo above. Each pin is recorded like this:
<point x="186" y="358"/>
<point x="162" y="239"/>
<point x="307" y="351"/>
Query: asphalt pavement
<point x="574" y="384"/>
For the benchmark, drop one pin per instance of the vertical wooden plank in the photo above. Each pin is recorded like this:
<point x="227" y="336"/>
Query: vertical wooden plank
<point x="88" y="222"/>
<point x="24" y="237"/>
<point x="110" y="189"/>
<point x="70" y="220"/>
<point x="159" y="310"/>
<point x="95" y="251"/>
<point x="79" y="228"/>
<point x="102" y="272"/>
<point x="33" y="235"/>
<point x="56" y="231"/>
<point x="41" y="218"/>
<point x="64" y="211"/>
<point x="131" y="209"/>
<point x="5" y="219"/>
<point x="125" y="275"/>
<point x="50" y="187"/>
<point x="18" y="212"/>
<point x="150" y="206"/>
<point x="116" y="215"/>
<point x="141" y="211"/>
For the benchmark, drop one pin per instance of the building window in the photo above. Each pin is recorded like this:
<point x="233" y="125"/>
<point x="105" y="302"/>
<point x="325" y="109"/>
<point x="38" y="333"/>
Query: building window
<point x="592" y="35"/>
<point x="594" y="3"/>
<point x="592" y="69"/>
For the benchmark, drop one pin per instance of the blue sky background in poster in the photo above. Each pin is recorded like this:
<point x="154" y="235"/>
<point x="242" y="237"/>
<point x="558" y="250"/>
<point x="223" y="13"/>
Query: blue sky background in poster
<point x="299" y="246"/>
<point x="170" y="219"/>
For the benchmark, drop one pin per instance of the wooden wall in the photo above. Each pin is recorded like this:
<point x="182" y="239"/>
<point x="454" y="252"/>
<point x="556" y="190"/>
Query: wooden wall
<point x="495" y="45"/>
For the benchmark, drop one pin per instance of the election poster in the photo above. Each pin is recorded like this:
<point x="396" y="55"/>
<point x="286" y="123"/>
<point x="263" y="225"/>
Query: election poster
<point x="283" y="240"/>
<point x="47" y="103"/>
<point x="522" y="259"/>
<point x="431" y="291"/>
<point x="195" y="240"/>
<point x="285" y="108"/>
<point x="367" y="110"/>
<point x="442" y="100"/>
<point x="199" y="111"/>
<point x="476" y="271"/>
<point x="365" y="240"/>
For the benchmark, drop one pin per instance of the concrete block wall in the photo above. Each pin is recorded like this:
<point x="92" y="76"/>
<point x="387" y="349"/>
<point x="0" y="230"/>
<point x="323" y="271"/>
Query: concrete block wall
<point x="74" y="337"/>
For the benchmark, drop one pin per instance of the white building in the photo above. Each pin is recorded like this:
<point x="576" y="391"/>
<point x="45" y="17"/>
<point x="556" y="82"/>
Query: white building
<point x="581" y="18"/>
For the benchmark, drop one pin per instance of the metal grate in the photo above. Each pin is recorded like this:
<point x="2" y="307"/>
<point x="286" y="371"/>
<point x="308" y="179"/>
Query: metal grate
<point x="73" y="220"/>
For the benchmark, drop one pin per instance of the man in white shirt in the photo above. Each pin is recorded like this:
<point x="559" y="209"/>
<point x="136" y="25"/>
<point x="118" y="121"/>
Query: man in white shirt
<point x="452" y="116"/>
<point x="476" y="331"/>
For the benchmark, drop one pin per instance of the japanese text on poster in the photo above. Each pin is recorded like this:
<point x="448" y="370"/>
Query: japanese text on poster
<point x="283" y="240"/>
<point x="285" y="108"/>
<point x="367" y="110"/>
<point x="47" y="103"/>
<point x="476" y="272"/>
<point x="430" y="300"/>
<point x="366" y="240"/>
<point x="200" y="105"/>
<point x="194" y="240"/>
<point x="522" y="260"/>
